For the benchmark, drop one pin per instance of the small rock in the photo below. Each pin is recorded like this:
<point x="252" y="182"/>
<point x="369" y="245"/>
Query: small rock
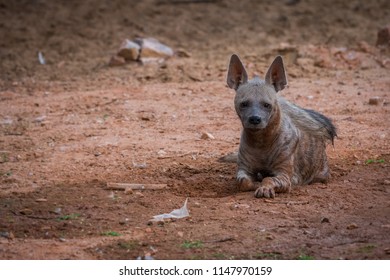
<point x="39" y="119"/>
<point x="61" y="64"/>
<point x="41" y="59"/>
<point x="325" y="220"/>
<point x="41" y="200"/>
<point x="111" y="195"/>
<point x="6" y="234"/>
<point x="116" y="61"/>
<point x="365" y="47"/>
<point x="148" y="257"/>
<point x="152" y="49"/>
<point x="383" y="38"/>
<point x="140" y="165"/>
<point x="206" y="135"/>
<point x="148" y="230"/>
<point x="161" y="153"/>
<point x="147" y="116"/>
<point x="180" y="233"/>
<point x="129" y="191"/>
<point x="26" y="211"/>
<point x="7" y="121"/>
<point x="352" y="226"/>
<point x="289" y="52"/>
<point x="376" y="100"/>
<point x="129" y="50"/>
<point x="182" y="53"/>
<point x="269" y="236"/>
<point x="139" y="194"/>
<point x="239" y="206"/>
<point x="387" y="251"/>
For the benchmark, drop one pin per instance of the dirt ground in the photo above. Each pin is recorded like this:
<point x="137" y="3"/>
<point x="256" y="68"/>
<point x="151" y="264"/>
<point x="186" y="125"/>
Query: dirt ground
<point x="74" y="124"/>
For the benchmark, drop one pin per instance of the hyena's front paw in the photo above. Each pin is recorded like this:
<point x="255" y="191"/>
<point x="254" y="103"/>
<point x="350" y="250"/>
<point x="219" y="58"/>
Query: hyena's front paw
<point x="265" y="191"/>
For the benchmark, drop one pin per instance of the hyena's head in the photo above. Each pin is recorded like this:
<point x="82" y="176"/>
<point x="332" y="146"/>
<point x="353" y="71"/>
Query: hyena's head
<point x="256" y="101"/>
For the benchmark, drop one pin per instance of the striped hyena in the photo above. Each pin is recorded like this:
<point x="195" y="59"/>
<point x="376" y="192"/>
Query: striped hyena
<point x="281" y="144"/>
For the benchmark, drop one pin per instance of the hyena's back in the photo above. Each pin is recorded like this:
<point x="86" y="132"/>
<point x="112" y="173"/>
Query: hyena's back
<point x="310" y="160"/>
<point x="309" y="121"/>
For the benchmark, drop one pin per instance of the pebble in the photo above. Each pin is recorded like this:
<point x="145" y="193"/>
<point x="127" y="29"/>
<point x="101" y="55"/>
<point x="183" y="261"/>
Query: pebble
<point x="161" y="153"/>
<point x="26" y="211"/>
<point x="7" y="121"/>
<point x="116" y="61"/>
<point x="183" y="53"/>
<point x="152" y="48"/>
<point x="140" y="165"/>
<point x="269" y="236"/>
<point x="206" y="136"/>
<point x="4" y="234"/>
<point x="129" y="191"/>
<point x="376" y="100"/>
<point x="352" y="226"/>
<point x="325" y="220"/>
<point x="129" y="50"/>
<point x="139" y="194"/>
<point x="39" y="119"/>
<point x="148" y="257"/>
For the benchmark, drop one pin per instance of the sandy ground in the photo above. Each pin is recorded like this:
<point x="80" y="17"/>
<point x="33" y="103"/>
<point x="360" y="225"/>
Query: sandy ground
<point x="69" y="127"/>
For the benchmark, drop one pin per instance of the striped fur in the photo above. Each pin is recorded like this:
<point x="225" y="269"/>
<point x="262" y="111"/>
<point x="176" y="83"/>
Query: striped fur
<point x="281" y="144"/>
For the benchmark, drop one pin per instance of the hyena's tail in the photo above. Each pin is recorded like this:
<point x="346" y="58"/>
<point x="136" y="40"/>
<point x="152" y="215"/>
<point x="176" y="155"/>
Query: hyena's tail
<point x="326" y="125"/>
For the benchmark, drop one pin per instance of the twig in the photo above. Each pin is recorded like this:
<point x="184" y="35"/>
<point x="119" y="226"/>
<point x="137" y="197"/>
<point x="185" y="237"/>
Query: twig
<point x="31" y="216"/>
<point x="286" y="202"/>
<point x="165" y="2"/>
<point x="131" y="186"/>
<point x="224" y="239"/>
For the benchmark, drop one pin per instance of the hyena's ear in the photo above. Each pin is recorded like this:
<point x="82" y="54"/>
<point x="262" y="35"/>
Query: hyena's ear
<point x="276" y="75"/>
<point x="236" y="74"/>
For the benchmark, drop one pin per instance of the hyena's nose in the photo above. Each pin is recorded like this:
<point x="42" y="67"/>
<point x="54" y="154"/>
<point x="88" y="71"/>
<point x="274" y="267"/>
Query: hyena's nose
<point x="254" y="120"/>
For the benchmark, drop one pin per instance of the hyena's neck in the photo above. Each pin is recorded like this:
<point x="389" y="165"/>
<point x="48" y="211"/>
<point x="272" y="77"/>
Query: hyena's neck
<point x="265" y="137"/>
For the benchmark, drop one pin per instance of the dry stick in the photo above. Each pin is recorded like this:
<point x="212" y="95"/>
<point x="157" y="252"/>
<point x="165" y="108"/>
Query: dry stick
<point x="224" y="239"/>
<point x="165" y="2"/>
<point x="127" y="186"/>
<point x="286" y="202"/>
<point x="32" y="216"/>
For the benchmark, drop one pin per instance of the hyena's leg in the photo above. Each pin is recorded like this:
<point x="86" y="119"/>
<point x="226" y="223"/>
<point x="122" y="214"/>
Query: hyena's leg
<point x="246" y="182"/>
<point x="271" y="185"/>
<point x="323" y="176"/>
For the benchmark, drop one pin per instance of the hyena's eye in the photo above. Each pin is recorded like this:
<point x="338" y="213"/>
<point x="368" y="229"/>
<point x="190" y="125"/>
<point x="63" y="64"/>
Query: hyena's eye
<point x="267" y="105"/>
<point x="244" y="104"/>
